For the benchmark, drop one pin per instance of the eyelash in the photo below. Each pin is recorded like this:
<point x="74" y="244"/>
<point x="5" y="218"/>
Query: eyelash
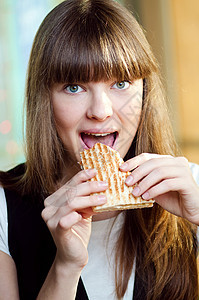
<point x="72" y="85"/>
<point x="123" y="81"/>
<point x="79" y="87"/>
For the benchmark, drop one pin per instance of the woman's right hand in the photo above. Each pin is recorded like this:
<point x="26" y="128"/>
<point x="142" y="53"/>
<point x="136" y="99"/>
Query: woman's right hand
<point x="68" y="213"/>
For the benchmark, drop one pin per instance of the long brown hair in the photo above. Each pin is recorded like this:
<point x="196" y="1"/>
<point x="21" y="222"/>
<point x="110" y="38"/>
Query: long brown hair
<point x="92" y="40"/>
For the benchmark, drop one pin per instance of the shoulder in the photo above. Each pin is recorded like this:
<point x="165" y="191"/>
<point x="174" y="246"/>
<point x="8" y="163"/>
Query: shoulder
<point x="195" y="171"/>
<point x="2" y="198"/>
<point x="17" y="170"/>
<point x="3" y="223"/>
<point x="11" y="179"/>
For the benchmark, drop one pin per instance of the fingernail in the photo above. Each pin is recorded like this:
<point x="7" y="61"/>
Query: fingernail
<point x="101" y="198"/>
<point x="91" y="172"/>
<point x="124" y="166"/>
<point x="129" y="180"/>
<point x="146" y="196"/>
<point x="136" y="191"/>
<point x="103" y="183"/>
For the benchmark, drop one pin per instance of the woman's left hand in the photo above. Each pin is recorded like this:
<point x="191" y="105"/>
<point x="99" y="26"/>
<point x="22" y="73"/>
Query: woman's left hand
<point x="166" y="179"/>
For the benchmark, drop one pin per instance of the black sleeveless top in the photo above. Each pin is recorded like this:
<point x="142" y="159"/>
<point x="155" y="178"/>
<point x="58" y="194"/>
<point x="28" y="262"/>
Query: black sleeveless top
<point x="32" y="247"/>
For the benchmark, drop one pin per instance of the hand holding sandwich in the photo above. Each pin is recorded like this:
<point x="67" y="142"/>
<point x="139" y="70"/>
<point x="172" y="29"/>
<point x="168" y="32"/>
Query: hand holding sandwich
<point x="166" y="179"/>
<point x="68" y="215"/>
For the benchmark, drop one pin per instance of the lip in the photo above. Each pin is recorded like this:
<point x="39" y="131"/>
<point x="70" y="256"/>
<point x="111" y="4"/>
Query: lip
<point x="95" y="131"/>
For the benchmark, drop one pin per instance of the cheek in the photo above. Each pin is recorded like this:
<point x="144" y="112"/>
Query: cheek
<point x="131" y="113"/>
<point x="66" y="117"/>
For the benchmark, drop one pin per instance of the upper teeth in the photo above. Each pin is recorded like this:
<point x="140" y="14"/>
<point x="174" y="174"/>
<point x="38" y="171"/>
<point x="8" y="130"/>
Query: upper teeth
<point x="98" y="134"/>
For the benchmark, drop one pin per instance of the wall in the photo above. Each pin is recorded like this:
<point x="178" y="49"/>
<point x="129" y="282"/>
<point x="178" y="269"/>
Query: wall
<point x="19" y="21"/>
<point x="185" y="15"/>
<point x="172" y="28"/>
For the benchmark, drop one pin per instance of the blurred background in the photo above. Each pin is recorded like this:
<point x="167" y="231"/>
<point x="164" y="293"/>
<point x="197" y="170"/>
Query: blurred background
<point x="172" y="28"/>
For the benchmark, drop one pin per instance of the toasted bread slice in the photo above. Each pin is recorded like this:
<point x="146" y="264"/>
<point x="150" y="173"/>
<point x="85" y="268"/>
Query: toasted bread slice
<point x="107" y="161"/>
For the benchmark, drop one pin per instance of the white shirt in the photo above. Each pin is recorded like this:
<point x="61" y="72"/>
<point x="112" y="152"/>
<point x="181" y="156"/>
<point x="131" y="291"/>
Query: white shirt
<point x="3" y="223"/>
<point x="98" y="274"/>
<point x="101" y="261"/>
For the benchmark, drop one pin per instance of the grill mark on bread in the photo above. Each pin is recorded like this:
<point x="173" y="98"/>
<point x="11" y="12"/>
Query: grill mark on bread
<point x="107" y="161"/>
<point x="117" y="181"/>
<point x="109" y="170"/>
<point x="98" y="167"/>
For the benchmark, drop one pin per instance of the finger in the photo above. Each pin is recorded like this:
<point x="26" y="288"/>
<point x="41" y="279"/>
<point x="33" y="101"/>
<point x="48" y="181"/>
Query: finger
<point x="69" y="190"/>
<point x="156" y="176"/>
<point x="66" y="222"/>
<point x="158" y="165"/>
<point x="83" y="189"/>
<point x="73" y="204"/>
<point x="88" y="213"/>
<point x="78" y="204"/>
<point x="48" y="212"/>
<point x="82" y="176"/>
<point x="51" y="200"/>
<point x="140" y="159"/>
<point x="167" y="200"/>
<point x="87" y="188"/>
<point x="169" y="185"/>
<point x="72" y="195"/>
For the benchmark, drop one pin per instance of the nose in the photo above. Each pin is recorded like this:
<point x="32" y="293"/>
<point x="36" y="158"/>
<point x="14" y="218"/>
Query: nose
<point x="100" y="106"/>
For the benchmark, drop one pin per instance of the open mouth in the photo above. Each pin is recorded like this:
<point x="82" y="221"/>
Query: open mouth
<point x="90" y="139"/>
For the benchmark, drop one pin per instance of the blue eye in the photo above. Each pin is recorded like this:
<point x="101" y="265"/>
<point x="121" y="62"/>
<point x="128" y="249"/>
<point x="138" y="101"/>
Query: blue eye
<point x="73" y="89"/>
<point x="122" y="85"/>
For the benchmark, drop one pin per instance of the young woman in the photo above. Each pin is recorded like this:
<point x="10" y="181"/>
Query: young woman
<point x="92" y="77"/>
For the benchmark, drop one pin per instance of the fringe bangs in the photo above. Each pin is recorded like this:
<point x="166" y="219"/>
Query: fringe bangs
<point x="100" y="48"/>
<point x="94" y="61"/>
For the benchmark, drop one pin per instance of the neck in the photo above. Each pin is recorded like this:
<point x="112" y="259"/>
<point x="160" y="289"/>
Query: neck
<point x="105" y="215"/>
<point x="70" y="169"/>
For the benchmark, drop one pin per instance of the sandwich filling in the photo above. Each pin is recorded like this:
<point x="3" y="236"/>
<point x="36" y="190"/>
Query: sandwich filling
<point x="90" y="139"/>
